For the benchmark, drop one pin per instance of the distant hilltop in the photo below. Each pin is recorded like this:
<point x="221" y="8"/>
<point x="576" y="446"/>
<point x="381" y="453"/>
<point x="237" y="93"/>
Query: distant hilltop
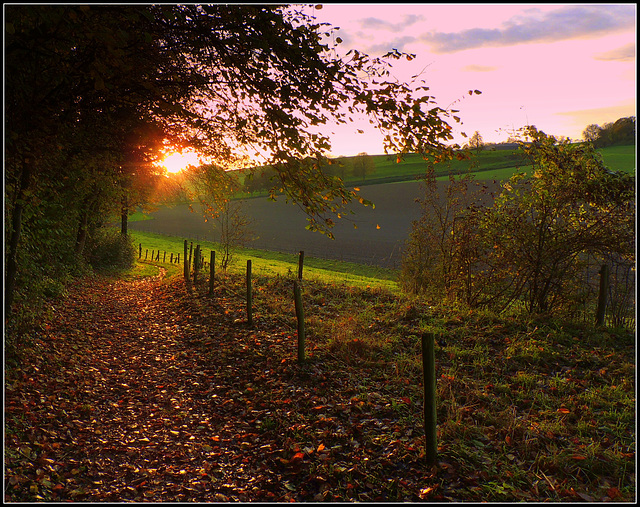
<point x="500" y="146"/>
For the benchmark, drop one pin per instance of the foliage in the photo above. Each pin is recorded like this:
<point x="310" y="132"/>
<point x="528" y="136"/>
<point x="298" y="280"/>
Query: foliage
<point x="442" y="244"/>
<point x="95" y="92"/>
<point x="363" y="165"/>
<point x="530" y="245"/>
<point x="234" y="227"/>
<point x="542" y="227"/>
<point x="112" y="249"/>
<point x="475" y="142"/>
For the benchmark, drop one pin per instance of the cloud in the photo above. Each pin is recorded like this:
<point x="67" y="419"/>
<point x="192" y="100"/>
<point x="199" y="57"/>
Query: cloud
<point x="600" y="115"/>
<point x="385" y="47"/>
<point x="533" y="26"/>
<point x="381" y="24"/>
<point x="622" y="54"/>
<point x="478" y="68"/>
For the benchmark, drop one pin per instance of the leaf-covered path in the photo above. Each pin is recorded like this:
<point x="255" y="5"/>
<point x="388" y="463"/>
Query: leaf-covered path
<point x="147" y="392"/>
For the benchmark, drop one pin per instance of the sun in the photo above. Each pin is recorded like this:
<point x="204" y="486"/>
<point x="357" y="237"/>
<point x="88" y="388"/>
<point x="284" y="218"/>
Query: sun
<point x="176" y="162"/>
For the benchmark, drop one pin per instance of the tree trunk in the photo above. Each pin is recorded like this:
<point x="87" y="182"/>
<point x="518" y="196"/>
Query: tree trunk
<point x="14" y="240"/>
<point x="81" y="237"/>
<point x="124" y="216"/>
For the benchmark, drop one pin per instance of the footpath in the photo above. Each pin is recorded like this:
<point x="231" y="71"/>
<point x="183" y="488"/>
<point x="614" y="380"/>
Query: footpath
<point x="143" y="391"/>
<point x="124" y="404"/>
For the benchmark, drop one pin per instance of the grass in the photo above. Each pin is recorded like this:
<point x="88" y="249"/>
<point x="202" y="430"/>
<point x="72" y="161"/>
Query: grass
<point x="620" y="158"/>
<point x="486" y="165"/>
<point x="265" y="263"/>
<point x="527" y="409"/>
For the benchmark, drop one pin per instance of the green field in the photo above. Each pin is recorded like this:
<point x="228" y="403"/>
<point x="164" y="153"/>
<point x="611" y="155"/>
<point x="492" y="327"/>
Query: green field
<point x="620" y="158"/>
<point x="485" y="165"/>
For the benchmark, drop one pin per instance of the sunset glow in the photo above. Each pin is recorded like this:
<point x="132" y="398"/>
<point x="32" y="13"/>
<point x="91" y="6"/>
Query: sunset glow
<point x="176" y="162"/>
<point x="559" y="67"/>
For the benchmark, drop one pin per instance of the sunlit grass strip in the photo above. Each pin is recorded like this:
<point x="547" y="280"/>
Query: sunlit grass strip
<point x="267" y="263"/>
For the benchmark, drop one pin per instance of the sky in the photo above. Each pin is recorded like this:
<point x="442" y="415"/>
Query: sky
<point x="559" y="67"/>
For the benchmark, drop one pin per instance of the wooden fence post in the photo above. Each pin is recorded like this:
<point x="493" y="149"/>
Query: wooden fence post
<point x="146" y="251"/>
<point x="429" y="374"/>
<point x="297" y="295"/>
<point x="602" y="295"/>
<point x="164" y="257"/>
<point x="140" y="251"/>
<point x="186" y="264"/>
<point x="196" y="264"/>
<point x="249" y="294"/>
<point x="212" y="272"/>
<point x="300" y="264"/>
<point x="171" y="259"/>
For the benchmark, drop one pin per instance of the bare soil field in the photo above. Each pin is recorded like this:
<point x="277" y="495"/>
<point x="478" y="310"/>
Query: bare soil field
<point x="378" y="240"/>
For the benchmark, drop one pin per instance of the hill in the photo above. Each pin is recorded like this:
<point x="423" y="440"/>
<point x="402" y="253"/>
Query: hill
<point x="496" y="162"/>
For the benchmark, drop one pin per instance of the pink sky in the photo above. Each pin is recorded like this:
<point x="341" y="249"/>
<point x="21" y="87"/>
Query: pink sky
<point x="560" y="67"/>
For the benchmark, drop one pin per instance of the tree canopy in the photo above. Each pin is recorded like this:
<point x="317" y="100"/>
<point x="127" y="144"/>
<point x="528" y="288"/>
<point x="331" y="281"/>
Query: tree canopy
<point x="99" y="89"/>
<point x="530" y="245"/>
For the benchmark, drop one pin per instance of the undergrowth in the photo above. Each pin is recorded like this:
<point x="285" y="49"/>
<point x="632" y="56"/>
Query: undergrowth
<point x="527" y="408"/>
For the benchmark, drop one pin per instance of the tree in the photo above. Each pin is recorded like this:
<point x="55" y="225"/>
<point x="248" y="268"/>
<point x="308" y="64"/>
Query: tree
<point x="442" y="249"/>
<point x="620" y="132"/>
<point x="591" y="133"/>
<point x="530" y="244"/>
<point x="475" y="142"/>
<point x="226" y="80"/>
<point x="363" y="164"/>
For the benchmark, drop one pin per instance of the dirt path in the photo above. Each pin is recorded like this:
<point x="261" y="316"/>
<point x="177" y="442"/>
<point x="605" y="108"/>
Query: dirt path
<point x="143" y="391"/>
<point x="124" y="408"/>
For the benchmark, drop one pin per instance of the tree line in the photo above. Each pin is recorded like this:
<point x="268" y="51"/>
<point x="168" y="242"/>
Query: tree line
<point x="619" y="133"/>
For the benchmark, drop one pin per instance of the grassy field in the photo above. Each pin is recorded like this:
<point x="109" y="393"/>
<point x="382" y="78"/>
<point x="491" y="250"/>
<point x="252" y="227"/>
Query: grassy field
<point x="485" y="165"/>
<point x="265" y="263"/>
<point x="620" y="158"/>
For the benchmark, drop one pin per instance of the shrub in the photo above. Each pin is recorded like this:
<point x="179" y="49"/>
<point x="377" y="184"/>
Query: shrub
<point x="530" y="247"/>
<point x="111" y="249"/>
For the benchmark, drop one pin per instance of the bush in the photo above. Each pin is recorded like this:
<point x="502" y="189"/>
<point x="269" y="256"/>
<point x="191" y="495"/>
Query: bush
<point x="111" y="249"/>
<point x="442" y="247"/>
<point x="530" y="247"/>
